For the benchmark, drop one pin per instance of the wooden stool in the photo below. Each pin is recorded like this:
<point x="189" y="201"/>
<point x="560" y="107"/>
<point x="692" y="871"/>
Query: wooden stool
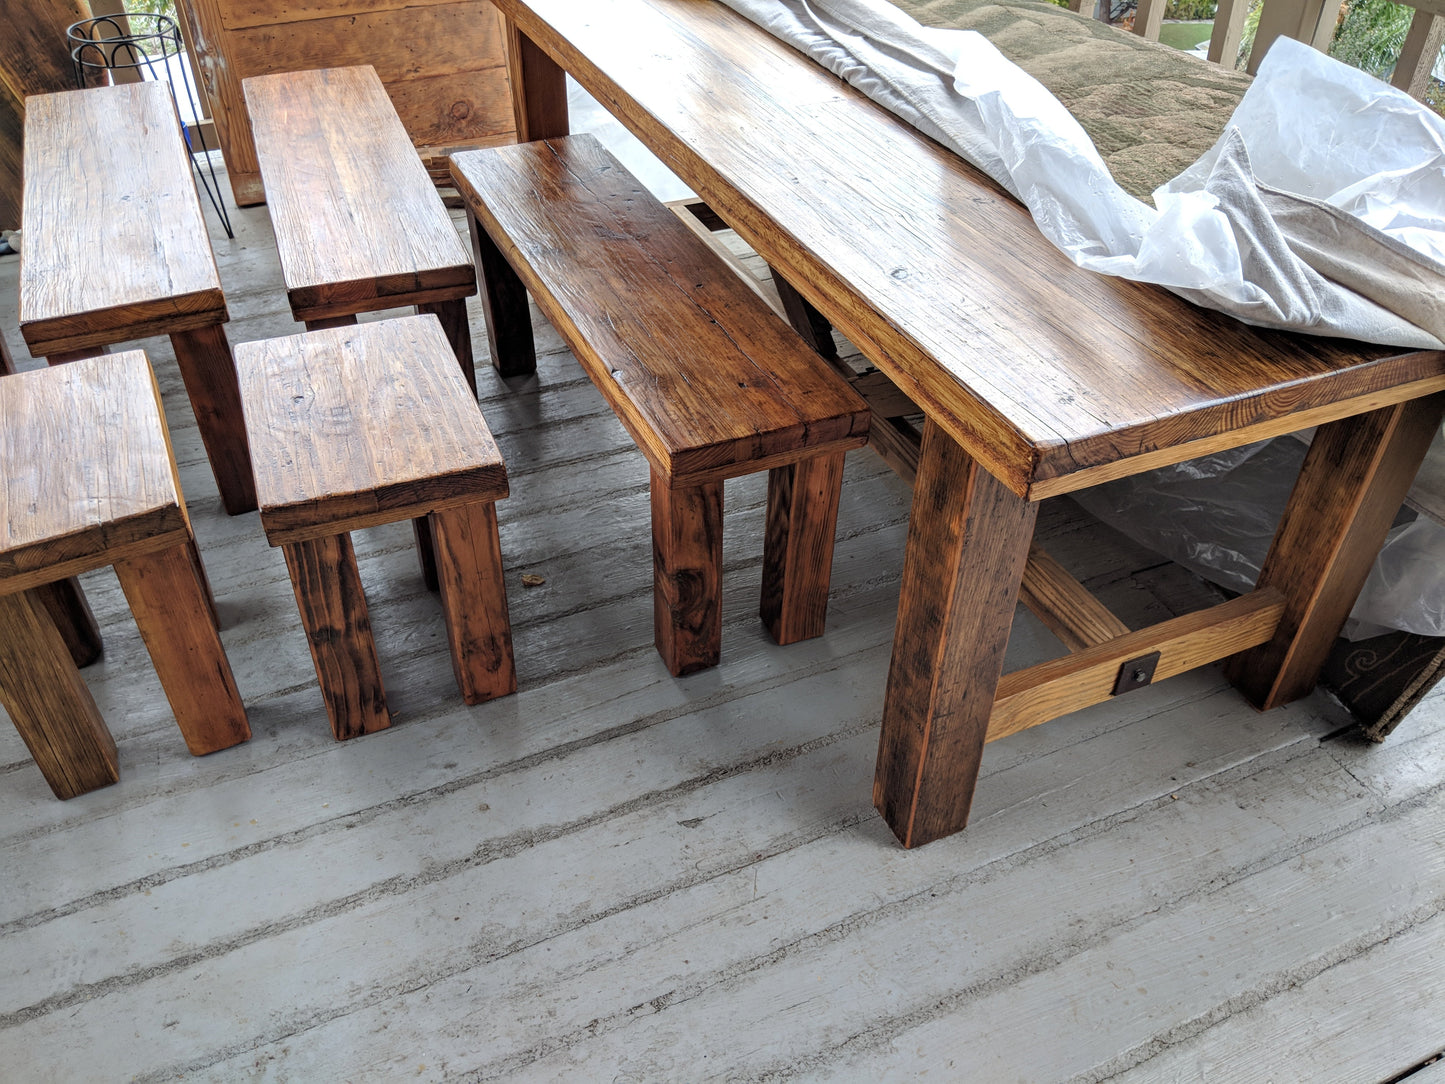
<point x="359" y="225"/>
<point x="708" y="380"/>
<point x="116" y="250"/>
<point x="87" y="479"/>
<point x="363" y="425"/>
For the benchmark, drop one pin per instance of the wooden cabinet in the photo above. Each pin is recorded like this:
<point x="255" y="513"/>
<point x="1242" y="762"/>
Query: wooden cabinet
<point x="442" y="62"/>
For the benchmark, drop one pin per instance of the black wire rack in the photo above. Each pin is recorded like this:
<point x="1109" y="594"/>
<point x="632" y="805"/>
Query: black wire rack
<point x="151" y="45"/>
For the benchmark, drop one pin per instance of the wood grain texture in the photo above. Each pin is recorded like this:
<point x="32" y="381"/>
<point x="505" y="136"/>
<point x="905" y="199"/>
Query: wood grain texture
<point x="333" y="609"/>
<point x="358" y="224"/>
<point x="204" y="358"/>
<point x="474" y="600"/>
<point x="1047" y="690"/>
<point x="443" y="63"/>
<point x="928" y="267"/>
<point x="85" y="469"/>
<point x="798" y="546"/>
<point x="34" y="59"/>
<point x="687" y="574"/>
<point x="706" y="378"/>
<point x="362" y="425"/>
<point x="505" y="306"/>
<point x="172" y="608"/>
<point x="968" y="539"/>
<point x="49" y="702"/>
<point x="116" y="247"/>
<point x="1349" y="490"/>
<point x="1065" y="605"/>
<point x="539" y="89"/>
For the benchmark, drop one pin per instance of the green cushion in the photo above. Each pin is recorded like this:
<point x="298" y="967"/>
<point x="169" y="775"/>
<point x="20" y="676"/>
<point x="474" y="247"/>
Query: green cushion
<point x="1151" y="110"/>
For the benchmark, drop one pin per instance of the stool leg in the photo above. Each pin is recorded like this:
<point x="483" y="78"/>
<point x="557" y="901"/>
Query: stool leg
<point x="76" y="355"/>
<point x="172" y="611"/>
<point x="504" y="303"/>
<point x="204" y="357"/>
<point x="331" y="321"/>
<point x="338" y="628"/>
<point x="798" y="546"/>
<point x="474" y="600"/>
<point x="65" y="602"/>
<point x="687" y="574"/>
<point x="453" y="317"/>
<point x="49" y="703"/>
<point x="426" y="552"/>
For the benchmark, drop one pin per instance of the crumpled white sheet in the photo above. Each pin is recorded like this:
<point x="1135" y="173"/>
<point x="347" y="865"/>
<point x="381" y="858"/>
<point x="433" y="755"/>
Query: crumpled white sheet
<point x="1320" y="209"/>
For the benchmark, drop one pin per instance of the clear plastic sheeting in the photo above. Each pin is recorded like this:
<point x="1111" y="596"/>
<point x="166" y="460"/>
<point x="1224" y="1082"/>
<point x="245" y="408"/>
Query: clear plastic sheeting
<point x="1217" y="516"/>
<point x="1320" y="209"/>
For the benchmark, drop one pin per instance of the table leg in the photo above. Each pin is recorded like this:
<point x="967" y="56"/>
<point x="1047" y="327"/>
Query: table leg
<point x="76" y="355"/>
<point x="539" y="89"/>
<point x="173" y="612"/>
<point x="968" y="542"/>
<point x="453" y="317"/>
<point x="49" y="702"/>
<point x="204" y="357"/>
<point x="1354" y="478"/>
<point x="474" y="601"/>
<point x="798" y="546"/>
<point x="807" y="321"/>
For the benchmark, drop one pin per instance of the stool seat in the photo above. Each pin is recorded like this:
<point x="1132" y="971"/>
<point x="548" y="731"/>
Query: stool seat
<point x="366" y="424"/>
<point x="87" y="479"/>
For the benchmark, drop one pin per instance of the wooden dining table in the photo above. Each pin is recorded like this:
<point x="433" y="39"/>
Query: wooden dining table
<point x="1035" y="378"/>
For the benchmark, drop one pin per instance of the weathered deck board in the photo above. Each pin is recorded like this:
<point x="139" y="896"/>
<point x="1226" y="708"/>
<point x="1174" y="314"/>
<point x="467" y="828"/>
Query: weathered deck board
<point x="615" y="873"/>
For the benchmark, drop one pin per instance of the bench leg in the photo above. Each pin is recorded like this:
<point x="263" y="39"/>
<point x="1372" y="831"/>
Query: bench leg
<point x="798" y="546"/>
<point x="453" y="317"/>
<point x="426" y="552"/>
<point x="331" y="321"/>
<point x="65" y="602"/>
<point x="968" y="542"/>
<point x="504" y="304"/>
<point x="338" y="628"/>
<point x="474" y="600"/>
<point x="204" y="357"/>
<point x="49" y="703"/>
<point x="687" y="574"/>
<point x="172" y="610"/>
<point x="1350" y="487"/>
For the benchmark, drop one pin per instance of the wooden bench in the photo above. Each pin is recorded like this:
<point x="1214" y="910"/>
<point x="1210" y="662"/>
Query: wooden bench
<point x="116" y="250"/>
<point x="359" y="225"/>
<point x="709" y="382"/>
<point x="356" y="427"/>
<point x="87" y="480"/>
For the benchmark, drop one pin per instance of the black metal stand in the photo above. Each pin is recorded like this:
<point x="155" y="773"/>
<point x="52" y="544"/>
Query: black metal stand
<point x="146" y="44"/>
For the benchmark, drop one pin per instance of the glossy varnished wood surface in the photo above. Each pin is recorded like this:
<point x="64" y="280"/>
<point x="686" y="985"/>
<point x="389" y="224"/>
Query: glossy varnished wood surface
<point x="704" y="375"/>
<point x="85" y="470"/>
<point x="938" y="276"/>
<point x="358" y="222"/>
<point x="359" y="425"/>
<point x="125" y="254"/>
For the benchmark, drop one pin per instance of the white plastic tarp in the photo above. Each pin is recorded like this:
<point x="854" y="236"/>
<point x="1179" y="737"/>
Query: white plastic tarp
<point x="1320" y="209"/>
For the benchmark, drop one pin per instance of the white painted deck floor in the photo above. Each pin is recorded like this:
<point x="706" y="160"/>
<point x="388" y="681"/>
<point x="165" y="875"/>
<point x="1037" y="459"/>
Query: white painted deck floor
<point x="619" y="876"/>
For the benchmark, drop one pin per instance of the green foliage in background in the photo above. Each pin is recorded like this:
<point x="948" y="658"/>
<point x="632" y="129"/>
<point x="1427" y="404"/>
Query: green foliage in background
<point x="1371" y="35"/>
<point x="151" y="7"/>
<point x="1190" y="9"/>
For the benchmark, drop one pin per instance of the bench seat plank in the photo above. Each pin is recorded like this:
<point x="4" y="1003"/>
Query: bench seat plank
<point x="357" y="220"/>
<point x="125" y="255"/>
<point x="708" y="380"/>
